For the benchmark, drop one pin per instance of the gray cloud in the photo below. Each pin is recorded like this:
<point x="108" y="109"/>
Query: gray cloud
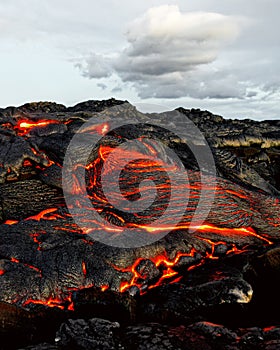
<point x="226" y="64"/>
<point x="166" y="54"/>
<point x="116" y="89"/>
<point x="102" y="86"/>
<point x="96" y="66"/>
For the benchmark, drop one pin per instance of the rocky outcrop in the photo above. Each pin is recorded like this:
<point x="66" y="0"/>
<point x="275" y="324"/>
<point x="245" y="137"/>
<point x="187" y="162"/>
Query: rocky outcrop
<point x="245" y="150"/>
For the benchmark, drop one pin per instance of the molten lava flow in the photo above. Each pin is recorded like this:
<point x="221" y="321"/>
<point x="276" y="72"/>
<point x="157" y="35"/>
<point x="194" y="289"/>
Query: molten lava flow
<point x="14" y="260"/>
<point x="51" y="302"/>
<point x="237" y="194"/>
<point x="25" y="126"/>
<point x="43" y="215"/>
<point x="63" y="303"/>
<point x="27" y="163"/>
<point x="162" y="261"/>
<point x="101" y="129"/>
<point x="169" y="267"/>
<point x="35" y="237"/>
<point x="158" y="269"/>
<point x="224" y="231"/>
<point x="104" y="288"/>
<point x="236" y="224"/>
<point x="84" y="268"/>
<point x="246" y="231"/>
<point x="11" y="222"/>
<point x="212" y="255"/>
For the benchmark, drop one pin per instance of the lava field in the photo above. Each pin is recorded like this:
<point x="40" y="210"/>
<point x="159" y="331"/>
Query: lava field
<point x="208" y="280"/>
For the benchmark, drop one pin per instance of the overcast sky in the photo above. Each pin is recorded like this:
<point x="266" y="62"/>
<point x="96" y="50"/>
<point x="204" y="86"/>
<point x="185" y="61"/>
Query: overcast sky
<point x="210" y="54"/>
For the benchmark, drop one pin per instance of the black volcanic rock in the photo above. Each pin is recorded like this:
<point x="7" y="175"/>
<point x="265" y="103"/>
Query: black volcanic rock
<point x="92" y="334"/>
<point x="173" y="302"/>
<point x="245" y="150"/>
<point x="94" y="105"/>
<point x="104" y="335"/>
<point x="42" y="107"/>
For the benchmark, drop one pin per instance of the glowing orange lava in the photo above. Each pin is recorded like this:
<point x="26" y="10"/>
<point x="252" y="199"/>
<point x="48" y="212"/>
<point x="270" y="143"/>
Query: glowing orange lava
<point x="225" y="231"/>
<point x="25" y="126"/>
<point x="84" y="268"/>
<point x="51" y="302"/>
<point x="43" y="215"/>
<point x="101" y="129"/>
<point x="11" y="222"/>
<point x="14" y="260"/>
<point x="161" y="260"/>
<point x="246" y="231"/>
<point x="104" y="288"/>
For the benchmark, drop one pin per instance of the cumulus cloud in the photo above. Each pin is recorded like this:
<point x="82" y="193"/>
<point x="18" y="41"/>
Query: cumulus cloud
<point x="166" y="54"/>
<point x="96" y="66"/>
